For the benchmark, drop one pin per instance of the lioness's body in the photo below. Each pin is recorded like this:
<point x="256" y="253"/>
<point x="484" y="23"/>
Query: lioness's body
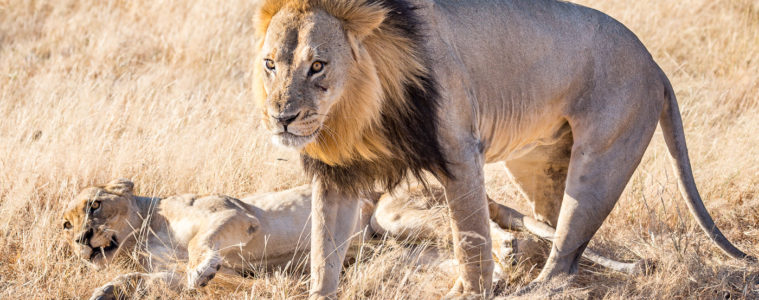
<point x="259" y="230"/>
<point x="220" y="233"/>
<point x="208" y="233"/>
<point x="568" y="97"/>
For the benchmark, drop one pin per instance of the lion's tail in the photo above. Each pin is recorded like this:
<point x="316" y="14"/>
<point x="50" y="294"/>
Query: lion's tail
<point x="672" y="127"/>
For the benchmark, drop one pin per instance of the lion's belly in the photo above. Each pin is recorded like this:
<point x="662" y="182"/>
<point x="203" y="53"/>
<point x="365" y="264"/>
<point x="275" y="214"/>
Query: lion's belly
<point x="504" y="144"/>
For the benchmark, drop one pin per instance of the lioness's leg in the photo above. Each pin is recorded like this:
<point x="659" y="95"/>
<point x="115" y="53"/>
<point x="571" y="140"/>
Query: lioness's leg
<point x="397" y="215"/>
<point x="334" y="218"/>
<point x="416" y="214"/>
<point x="509" y="218"/>
<point x="606" y="151"/>
<point x="229" y="231"/>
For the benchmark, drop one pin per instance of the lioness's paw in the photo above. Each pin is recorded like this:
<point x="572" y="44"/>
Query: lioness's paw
<point x="106" y="292"/>
<point x="530" y="249"/>
<point x="201" y="275"/>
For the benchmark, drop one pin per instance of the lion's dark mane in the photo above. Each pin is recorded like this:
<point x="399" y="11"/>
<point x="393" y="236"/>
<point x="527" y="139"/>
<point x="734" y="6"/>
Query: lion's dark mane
<point x="412" y="131"/>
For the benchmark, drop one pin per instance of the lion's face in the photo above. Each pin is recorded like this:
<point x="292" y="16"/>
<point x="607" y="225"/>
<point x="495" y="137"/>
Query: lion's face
<point x="99" y="220"/>
<point x="305" y="59"/>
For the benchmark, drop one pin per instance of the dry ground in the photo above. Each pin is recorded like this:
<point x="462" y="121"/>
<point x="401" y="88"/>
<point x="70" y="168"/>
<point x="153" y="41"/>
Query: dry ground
<point x="158" y="91"/>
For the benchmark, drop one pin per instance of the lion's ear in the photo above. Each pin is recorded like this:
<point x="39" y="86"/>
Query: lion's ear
<point x="360" y="22"/>
<point x="363" y="20"/>
<point x="120" y="186"/>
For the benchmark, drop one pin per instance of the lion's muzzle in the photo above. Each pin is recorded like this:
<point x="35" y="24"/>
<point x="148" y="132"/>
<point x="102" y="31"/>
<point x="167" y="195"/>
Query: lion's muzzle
<point x="294" y="130"/>
<point x="284" y="120"/>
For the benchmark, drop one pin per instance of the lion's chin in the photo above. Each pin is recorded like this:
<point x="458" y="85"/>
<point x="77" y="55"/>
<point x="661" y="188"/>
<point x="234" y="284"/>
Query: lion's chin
<point x="289" y="140"/>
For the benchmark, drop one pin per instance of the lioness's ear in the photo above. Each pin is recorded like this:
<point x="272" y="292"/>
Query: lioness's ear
<point x="120" y="186"/>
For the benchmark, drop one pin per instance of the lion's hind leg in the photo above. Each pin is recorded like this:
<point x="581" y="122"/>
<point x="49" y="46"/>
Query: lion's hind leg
<point x="606" y="151"/>
<point x="541" y="175"/>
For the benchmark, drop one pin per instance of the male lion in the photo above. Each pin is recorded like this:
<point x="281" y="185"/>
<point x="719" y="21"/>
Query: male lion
<point x="370" y="91"/>
<point x="221" y="233"/>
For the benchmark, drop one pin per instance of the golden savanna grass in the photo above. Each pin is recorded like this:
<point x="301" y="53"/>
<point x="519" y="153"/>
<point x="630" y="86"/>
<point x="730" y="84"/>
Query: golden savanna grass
<point x="160" y="92"/>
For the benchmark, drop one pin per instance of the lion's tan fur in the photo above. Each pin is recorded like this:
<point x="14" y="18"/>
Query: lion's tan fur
<point x="560" y="93"/>
<point x="385" y="61"/>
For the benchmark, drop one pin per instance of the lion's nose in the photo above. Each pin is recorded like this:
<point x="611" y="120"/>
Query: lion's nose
<point x="85" y="237"/>
<point x="287" y="120"/>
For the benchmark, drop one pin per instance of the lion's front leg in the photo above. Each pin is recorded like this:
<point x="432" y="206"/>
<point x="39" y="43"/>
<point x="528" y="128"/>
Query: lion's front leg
<point x="334" y="219"/>
<point x="467" y="201"/>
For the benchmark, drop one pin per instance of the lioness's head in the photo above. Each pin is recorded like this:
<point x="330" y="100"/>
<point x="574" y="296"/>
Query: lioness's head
<point x="100" y="219"/>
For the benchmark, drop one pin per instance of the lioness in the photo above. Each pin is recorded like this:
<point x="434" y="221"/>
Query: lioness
<point x="210" y="233"/>
<point x="370" y="91"/>
<point x="220" y="233"/>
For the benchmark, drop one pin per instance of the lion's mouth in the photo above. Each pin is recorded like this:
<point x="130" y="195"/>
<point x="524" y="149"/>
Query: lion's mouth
<point x="289" y="139"/>
<point x="104" y="251"/>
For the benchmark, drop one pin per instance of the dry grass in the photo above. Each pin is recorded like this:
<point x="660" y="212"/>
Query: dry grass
<point x="158" y="91"/>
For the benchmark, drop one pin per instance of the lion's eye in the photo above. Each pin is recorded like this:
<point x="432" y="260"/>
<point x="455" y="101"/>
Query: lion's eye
<point x="95" y="205"/>
<point x="67" y="225"/>
<point x="269" y="64"/>
<point x="316" y="67"/>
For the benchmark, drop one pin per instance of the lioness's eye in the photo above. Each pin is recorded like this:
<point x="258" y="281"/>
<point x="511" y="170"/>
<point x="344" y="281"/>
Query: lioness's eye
<point x="316" y="67"/>
<point x="269" y="64"/>
<point x="67" y="225"/>
<point x="95" y="205"/>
